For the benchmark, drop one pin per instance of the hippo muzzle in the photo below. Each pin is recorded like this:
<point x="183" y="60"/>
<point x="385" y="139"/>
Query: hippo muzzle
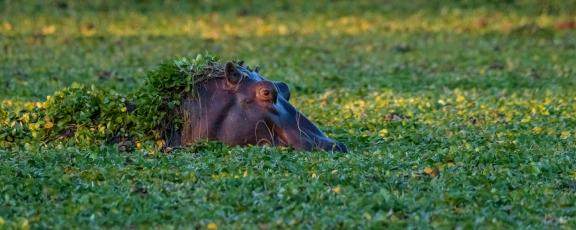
<point x="294" y="129"/>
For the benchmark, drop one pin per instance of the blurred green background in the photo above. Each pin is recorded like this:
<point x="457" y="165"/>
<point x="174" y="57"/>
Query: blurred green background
<point x="313" y="45"/>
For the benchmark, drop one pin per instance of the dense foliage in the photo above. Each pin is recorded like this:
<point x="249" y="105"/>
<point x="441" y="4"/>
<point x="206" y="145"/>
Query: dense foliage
<point x="457" y="114"/>
<point x="86" y="116"/>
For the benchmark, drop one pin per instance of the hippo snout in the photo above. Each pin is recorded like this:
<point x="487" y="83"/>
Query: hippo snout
<point x="331" y="146"/>
<point x="308" y="139"/>
<point x="340" y="147"/>
<point x="294" y="129"/>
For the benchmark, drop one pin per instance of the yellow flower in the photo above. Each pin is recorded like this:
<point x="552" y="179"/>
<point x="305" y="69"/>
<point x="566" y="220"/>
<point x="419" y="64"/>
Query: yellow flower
<point x="212" y="226"/>
<point x="537" y="130"/>
<point x="7" y="102"/>
<point x="7" y="26"/>
<point x="48" y="30"/>
<point x="460" y="99"/>
<point x="25" y="225"/>
<point x="160" y="143"/>
<point x="34" y="126"/>
<point x="337" y="189"/>
<point x="565" y="134"/>
<point x="526" y="119"/>
<point x="383" y="132"/>
<point x="48" y="125"/>
<point x="431" y="172"/>
<point x="123" y="109"/>
<point x="88" y="30"/>
<point x="282" y="29"/>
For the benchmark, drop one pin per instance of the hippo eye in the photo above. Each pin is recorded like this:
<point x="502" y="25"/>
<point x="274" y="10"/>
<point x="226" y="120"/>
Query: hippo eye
<point x="267" y="94"/>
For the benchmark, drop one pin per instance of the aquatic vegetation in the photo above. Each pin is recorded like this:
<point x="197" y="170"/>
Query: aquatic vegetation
<point x="458" y="114"/>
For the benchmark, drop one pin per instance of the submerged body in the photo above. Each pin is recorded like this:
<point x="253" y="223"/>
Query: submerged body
<point x="243" y="108"/>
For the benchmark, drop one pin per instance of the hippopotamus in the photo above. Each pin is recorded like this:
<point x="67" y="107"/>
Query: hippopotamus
<point x="239" y="107"/>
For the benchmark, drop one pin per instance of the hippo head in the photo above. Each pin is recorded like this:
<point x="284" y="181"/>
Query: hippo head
<point x="243" y="108"/>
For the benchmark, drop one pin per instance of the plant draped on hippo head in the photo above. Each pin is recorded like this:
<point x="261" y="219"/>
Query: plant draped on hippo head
<point x="183" y="101"/>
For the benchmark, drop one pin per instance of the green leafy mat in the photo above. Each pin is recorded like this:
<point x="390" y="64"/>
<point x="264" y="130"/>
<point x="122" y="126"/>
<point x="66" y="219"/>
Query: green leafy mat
<point x="87" y="115"/>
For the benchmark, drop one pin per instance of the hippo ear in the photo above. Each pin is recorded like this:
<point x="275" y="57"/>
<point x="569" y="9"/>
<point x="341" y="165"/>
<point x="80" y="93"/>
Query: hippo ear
<point x="282" y="89"/>
<point x="232" y="74"/>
